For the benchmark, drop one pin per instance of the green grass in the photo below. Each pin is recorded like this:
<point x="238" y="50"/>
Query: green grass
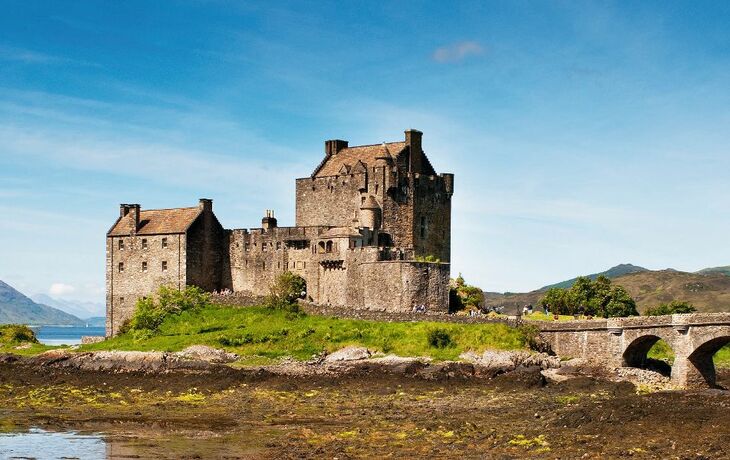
<point x="538" y="316"/>
<point x="662" y="351"/>
<point x="260" y="334"/>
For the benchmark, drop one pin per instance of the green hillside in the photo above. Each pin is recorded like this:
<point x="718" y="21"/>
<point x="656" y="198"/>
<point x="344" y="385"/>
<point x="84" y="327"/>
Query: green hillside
<point x="613" y="272"/>
<point x="716" y="270"/>
<point x="15" y="308"/>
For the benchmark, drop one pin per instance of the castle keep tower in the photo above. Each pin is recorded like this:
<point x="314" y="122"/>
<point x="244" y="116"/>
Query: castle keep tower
<point x="365" y="219"/>
<point x="394" y="181"/>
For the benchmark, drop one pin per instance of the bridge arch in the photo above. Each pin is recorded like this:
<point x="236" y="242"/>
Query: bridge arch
<point x="702" y="362"/>
<point x="635" y="354"/>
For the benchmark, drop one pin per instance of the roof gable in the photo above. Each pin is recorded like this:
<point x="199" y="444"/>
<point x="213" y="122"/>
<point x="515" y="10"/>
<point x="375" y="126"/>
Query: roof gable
<point x="366" y="154"/>
<point x="158" y="222"/>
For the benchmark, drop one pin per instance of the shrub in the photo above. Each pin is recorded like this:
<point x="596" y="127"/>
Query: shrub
<point x="439" y="338"/>
<point x="671" y="308"/>
<point x="462" y="295"/>
<point x="152" y="311"/>
<point x="285" y="291"/>
<point x="429" y="258"/>
<point x="17" y="333"/>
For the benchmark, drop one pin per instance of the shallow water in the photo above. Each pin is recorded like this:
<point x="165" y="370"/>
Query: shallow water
<point x="59" y="335"/>
<point x="40" y="444"/>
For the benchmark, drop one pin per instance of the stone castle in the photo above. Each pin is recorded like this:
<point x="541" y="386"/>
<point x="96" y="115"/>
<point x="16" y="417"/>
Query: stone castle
<point x="366" y="219"/>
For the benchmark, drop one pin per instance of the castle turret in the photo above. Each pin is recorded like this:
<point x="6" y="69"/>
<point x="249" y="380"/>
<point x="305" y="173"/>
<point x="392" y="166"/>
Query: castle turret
<point x="370" y="213"/>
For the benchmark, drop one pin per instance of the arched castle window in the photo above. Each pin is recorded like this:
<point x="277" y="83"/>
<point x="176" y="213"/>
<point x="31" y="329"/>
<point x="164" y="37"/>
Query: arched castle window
<point x="329" y="246"/>
<point x="321" y="247"/>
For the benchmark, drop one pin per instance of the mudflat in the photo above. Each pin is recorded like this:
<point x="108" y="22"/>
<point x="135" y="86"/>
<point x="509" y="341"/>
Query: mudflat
<point x="251" y="413"/>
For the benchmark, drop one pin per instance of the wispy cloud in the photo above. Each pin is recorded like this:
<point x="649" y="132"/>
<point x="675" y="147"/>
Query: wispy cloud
<point x="27" y="56"/>
<point x="457" y="52"/>
<point x="61" y="289"/>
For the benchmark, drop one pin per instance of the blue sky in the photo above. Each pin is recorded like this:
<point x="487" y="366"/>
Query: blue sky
<point x="582" y="134"/>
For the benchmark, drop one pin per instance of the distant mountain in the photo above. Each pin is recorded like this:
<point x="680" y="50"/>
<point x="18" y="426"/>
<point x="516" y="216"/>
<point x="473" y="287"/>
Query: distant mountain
<point x="17" y="308"/>
<point x="613" y="272"/>
<point x="721" y="270"/>
<point x="79" y="308"/>
<point x="708" y="292"/>
<point x="96" y="321"/>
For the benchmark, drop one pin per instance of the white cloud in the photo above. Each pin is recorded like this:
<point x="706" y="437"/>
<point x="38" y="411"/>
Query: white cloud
<point x="61" y="289"/>
<point x="457" y="51"/>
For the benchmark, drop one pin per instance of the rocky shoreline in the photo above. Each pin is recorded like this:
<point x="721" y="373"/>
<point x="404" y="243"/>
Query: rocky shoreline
<point x="538" y="368"/>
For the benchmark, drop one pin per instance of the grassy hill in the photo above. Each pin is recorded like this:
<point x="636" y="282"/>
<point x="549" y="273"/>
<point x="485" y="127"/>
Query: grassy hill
<point x="15" y="308"/>
<point x="719" y="270"/>
<point x="613" y="272"/>
<point x="263" y="335"/>
<point x="709" y="291"/>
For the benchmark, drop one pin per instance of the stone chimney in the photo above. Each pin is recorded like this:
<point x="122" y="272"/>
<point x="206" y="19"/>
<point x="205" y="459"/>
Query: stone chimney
<point x="331" y="147"/>
<point x="134" y="210"/>
<point x="206" y="204"/>
<point x="269" y="221"/>
<point x="413" y="141"/>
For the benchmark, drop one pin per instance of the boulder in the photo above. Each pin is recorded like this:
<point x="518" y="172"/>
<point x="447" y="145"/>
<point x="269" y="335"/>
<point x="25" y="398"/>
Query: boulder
<point x="350" y="353"/>
<point x="208" y="354"/>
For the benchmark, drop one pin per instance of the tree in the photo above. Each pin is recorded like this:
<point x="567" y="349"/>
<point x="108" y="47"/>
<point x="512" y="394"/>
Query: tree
<point x="557" y="301"/>
<point x="590" y="297"/>
<point x="285" y="291"/>
<point x="671" y="308"/>
<point x="462" y="295"/>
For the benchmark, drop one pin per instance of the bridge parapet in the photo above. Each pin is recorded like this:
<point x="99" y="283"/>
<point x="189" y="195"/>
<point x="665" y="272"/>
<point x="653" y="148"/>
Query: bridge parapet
<point x="570" y="326"/>
<point x="701" y="319"/>
<point x="634" y="322"/>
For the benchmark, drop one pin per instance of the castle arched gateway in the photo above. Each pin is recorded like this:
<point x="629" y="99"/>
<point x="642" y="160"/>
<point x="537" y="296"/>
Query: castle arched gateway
<point x="624" y="342"/>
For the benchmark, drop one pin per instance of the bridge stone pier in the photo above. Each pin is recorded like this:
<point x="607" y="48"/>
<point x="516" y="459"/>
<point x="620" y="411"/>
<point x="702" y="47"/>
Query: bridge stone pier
<point x="618" y="342"/>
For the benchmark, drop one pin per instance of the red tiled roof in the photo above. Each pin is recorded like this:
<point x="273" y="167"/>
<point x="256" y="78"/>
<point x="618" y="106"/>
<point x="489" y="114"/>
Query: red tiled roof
<point x="351" y="155"/>
<point x="158" y="221"/>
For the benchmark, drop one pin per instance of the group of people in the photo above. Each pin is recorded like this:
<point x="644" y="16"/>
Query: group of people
<point x="419" y="308"/>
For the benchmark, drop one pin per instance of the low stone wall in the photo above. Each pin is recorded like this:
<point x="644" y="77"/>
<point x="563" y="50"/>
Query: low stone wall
<point x="87" y="339"/>
<point x="402" y="317"/>
<point x="237" y="299"/>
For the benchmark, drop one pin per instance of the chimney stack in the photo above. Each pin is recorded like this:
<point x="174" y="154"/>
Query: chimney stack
<point x="134" y="210"/>
<point x="413" y="141"/>
<point x="331" y="147"/>
<point x="269" y="221"/>
<point x="206" y="204"/>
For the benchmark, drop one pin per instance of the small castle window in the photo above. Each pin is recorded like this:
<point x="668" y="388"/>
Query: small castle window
<point x="278" y="245"/>
<point x="248" y="247"/>
<point x="164" y="243"/>
<point x="144" y="243"/>
<point x="121" y="300"/>
<point x="263" y="265"/>
<point x="263" y="246"/>
<point x="246" y="263"/>
<point x="278" y="265"/>
<point x="164" y="265"/>
<point x="144" y="266"/>
<point x="121" y="267"/>
<point x="121" y="244"/>
<point x="305" y="265"/>
<point x="329" y="247"/>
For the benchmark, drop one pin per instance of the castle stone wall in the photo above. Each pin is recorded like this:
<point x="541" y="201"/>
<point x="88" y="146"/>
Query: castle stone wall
<point x="401" y="285"/>
<point x="125" y="287"/>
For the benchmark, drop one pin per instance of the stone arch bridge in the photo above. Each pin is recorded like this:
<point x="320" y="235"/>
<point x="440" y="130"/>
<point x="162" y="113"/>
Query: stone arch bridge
<point x="616" y="342"/>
